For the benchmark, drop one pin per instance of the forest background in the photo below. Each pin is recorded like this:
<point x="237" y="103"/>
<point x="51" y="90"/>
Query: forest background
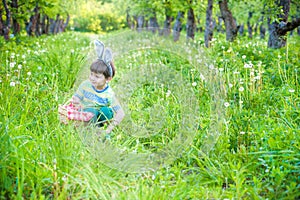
<point x="236" y="65"/>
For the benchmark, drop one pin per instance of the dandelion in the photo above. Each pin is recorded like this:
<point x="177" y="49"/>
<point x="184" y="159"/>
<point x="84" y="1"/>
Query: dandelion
<point x="244" y="56"/>
<point x="291" y="90"/>
<point x="202" y="77"/>
<point x="168" y="93"/>
<point x="223" y="47"/>
<point x="12" y="84"/>
<point x="247" y="66"/>
<point x="12" y="64"/>
<point x="19" y="66"/>
<point x="39" y="68"/>
<point x="230" y="85"/>
<point x="257" y="77"/>
<point x="194" y="84"/>
<point x="221" y="69"/>
<point x="241" y="89"/>
<point x="226" y="104"/>
<point x="23" y="56"/>
<point x="242" y="132"/>
<point x="29" y="73"/>
<point x="72" y="50"/>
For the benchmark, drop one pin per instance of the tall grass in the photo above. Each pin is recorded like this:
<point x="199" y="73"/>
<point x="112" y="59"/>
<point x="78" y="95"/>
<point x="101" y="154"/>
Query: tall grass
<point x="218" y="123"/>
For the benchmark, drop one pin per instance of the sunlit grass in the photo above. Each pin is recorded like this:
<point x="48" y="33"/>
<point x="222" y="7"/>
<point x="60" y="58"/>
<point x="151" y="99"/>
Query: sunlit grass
<point x="256" y="155"/>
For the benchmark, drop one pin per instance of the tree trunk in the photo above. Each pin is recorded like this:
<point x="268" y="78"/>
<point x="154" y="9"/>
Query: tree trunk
<point x="38" y="31"/>
<point x="209" y="24"/>
<point x="262" y="29"/>
<point x="167" y="23"/>
<point x="190" y="24"/>
<point x="32" y="25"/>
<point x="241" y="29"/>
<point x="219" y="25"/>
<point x="1" y="21"/>
<point x="250" y="30"/>
<point x="278" y="30"/>
<point x="64" y="25"/>
<point x="15" y="23"/>
<point x="153" y="25"/>
<point x="6" y="25"/>
<point x="56" y="24"/>
<point x="140" y="22"/>
<point x="44" y="24"/>
<point x="230" y="24"/>
<point x="130" y="22"/>
<point x="177" y="26"/>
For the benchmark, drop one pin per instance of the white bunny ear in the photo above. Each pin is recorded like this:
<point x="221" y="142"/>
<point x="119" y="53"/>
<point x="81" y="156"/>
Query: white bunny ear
<point x="108" y="56"/>
<point x="99" y="48"/>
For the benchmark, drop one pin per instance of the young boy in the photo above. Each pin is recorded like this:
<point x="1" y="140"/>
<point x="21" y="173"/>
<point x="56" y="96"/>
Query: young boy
<point x="96" y="96"/>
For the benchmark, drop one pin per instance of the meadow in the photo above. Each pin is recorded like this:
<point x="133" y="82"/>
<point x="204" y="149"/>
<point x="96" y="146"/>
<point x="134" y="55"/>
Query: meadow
<point x="217" y="123"/>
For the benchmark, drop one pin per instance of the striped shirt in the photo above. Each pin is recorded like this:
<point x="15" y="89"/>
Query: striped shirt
<point x="92" y="98"/>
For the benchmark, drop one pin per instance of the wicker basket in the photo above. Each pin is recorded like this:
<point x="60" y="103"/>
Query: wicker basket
<point x="69" y="113"/>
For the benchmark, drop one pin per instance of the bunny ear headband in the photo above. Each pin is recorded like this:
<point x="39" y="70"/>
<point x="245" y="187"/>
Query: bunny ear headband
<point x="104" y="54"/>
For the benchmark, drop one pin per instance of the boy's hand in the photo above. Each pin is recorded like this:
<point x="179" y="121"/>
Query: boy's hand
<point x="75" y="101"/>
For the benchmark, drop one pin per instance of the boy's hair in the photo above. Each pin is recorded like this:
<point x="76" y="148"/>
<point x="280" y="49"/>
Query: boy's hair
<point x="100" y="67"/>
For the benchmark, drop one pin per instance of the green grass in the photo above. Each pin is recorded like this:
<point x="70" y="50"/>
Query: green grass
<point x="218" y="123"/>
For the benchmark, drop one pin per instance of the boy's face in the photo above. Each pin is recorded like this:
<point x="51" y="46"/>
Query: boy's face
<point x="98" y="80"/>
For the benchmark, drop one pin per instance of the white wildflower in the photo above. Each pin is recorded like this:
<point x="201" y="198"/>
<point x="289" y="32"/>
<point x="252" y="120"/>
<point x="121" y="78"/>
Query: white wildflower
<point x="12" y="84"/>
<point x="168" y="93"/>
<point x="291" y="90"/>
<point x="226" y="104"/>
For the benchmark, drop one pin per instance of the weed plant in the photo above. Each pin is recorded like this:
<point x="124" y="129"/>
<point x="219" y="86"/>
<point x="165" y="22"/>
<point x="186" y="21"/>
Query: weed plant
<point x="218" y="123"/>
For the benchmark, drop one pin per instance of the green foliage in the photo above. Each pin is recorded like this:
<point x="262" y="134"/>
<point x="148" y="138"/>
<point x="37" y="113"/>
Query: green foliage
<point x="97" y="18"/>
<point x="256" y="155"/>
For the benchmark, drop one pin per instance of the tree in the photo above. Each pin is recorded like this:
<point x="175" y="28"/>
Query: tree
<point x="279" y="27"/>
<point x="209" y="24"/>
<point x="5" y="25"/>
<point x="177" y="26"/>
<point x="191" y="23"/>
<point x="230" y="24"/>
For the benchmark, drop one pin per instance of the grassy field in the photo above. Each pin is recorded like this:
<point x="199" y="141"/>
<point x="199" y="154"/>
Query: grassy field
<point x="218" y="123"/>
